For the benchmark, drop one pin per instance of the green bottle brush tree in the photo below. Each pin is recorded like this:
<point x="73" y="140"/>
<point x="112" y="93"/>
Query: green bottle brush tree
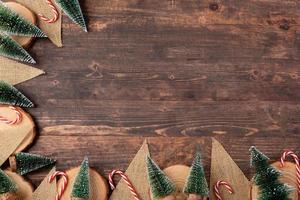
<point x="24" y="163"/>
<point x="11" y="96"/>
<point x="196" y="185"/>
<point x="14" y="24"/>
<point x="161" y="186"/>
<point x="73" y="11"/>
<point x="7" y="186"/>
<point x="267" y="178"/>
<point x="11" y="49"/>
<point x="81" y="187"/>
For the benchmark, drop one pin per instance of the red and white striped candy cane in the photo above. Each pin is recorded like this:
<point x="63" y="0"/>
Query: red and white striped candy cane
<point x="296" y="159"/>
<point x="17" y="120"/>
<point x="217" y="189"/>
<point x="64" y="185"/>
<point x="54" y="11"/>
<point x="127" y="181"/>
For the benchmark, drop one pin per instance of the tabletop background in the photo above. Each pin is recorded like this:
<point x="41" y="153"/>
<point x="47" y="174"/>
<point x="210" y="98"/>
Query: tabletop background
<point x="175" y="72"/>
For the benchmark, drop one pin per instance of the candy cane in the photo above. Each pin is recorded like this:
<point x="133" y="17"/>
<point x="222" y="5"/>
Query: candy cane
<point x="54" y="11"/>
<point x="296" y="159"/>
<point x="17" y="120"/>
<point x="63" y="187"/>
<point x="127" y="181"/>
<point x="217" y="189"/>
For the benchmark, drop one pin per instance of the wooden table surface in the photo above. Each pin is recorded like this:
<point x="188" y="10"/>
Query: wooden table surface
<point x="176" y="72"/>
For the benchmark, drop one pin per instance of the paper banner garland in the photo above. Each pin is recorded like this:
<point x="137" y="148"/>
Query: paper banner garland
<point x="53" y="30"/>
<point x="46" y="190"/>
<point x="15" y="138"/>
<point x="223" y="168"/>
<point x="137" y="173"/>
<point x="14" y="72"/>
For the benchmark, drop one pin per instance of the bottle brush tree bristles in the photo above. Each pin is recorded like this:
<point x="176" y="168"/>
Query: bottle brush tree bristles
<point x="6" y="184"/>
<point x="26" y="162"/>
<point x="161" y="186"/>
<point x="81" y="187"/>
<point x="11" y="96"/>
<point x="267" y="178"/>
<point x="14" y="24"/>
<point x="196" y="182"/>
<point x="73" y="10"/>
<point x="11" y="49"/>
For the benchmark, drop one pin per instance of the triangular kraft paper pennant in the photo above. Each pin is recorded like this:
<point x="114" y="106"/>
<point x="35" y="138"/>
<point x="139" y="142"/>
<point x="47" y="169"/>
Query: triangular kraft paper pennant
<point x="14" y="72"/>
<point x="53" y="30"/>
<point x="224" y="168"/>
<point x="137" y="173"/>
<point x="15" y="137"/>
<point x="46" y="190"/>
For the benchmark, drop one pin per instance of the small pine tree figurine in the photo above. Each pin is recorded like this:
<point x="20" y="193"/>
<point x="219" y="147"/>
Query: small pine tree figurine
<point x="11" y="49"/>
<point x="81" y="187"/>
<point x="11" y="96"/>
<point x="73" y="10"/>
<point x="7" y="187"/>
<point x="196" y="185"/>
<point x="14" y="24"/>
<point x="23" y="163"/>
<point x="161" y="186"/>
<point x="267" y="178"/>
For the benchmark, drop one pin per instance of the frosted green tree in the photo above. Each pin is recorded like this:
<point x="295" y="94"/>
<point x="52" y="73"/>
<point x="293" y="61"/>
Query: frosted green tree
<point x="81" y="187"/>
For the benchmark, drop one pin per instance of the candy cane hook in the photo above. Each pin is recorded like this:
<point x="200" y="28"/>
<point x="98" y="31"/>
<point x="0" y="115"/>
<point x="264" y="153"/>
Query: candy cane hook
<point x="296" y="160"/>
<point x="217" y="189"/>
<point x="17" y="120"/>
<point x="63" y="187"/>
<point x="127" y="181"/>
<point x="54" y="11"/>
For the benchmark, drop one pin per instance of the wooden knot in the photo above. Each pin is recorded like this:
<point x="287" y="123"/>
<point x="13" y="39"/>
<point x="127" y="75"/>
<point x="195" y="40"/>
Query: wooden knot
<point x="214" y="6"/>
<point x="284" y="25"/>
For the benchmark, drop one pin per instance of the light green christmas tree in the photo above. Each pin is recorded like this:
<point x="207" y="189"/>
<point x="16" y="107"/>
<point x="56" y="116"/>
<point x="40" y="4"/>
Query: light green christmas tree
<point x="6" y="184"/>
<point x="81" y="187"/>
<point x="161" y="186"/>
<point x="11" y="96"/>
<point x="14" y="24"/>
<point x="73" y="10"/>
<point x="11" y="49"/>
<point x="267" y="178"/>
<point x="196" y="183"/>
<point x="27" y="162"/>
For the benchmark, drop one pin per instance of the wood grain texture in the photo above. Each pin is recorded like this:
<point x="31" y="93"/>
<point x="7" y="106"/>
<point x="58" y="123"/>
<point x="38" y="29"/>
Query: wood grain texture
<point x="176" y="72"/>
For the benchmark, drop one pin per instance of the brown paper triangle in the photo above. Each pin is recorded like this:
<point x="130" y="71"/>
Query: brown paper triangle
<point x="16" y="137"/>
<point x="53" y="30"/>
<point x="224" y="168"/>
<point x="46" y="190"/>
<point x="137" y="173"/>
<point x="14" y="72"/>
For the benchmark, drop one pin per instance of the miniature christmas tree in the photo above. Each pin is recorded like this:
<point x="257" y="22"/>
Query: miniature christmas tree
<point x="6" y="184"/>
<point x="196" y="183"/>
<point x="11" y="49"/>
<point x="25" y="162"/>
<point x="267" y="178"/>
<point x="81" y="187"/>
<point x="73" y="10"/>
<point x="11" y="96"/>
<point x="14" y="24"/>
<point x="161" y="186"/>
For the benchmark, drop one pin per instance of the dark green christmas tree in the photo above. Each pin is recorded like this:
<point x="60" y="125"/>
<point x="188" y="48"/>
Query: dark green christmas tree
<point x="161" y="186"/>
<point x="196" y="182"/>
<point x="81" y="187"/>
<point x="73" y="10"/>
<point x="6" y="184"/>
<point x="267" y="178"/>
<point x="27" y="162"/>
<point x="11" y="49"/>
<point x="14" y="24"/>
<point x="11" y="96"/>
